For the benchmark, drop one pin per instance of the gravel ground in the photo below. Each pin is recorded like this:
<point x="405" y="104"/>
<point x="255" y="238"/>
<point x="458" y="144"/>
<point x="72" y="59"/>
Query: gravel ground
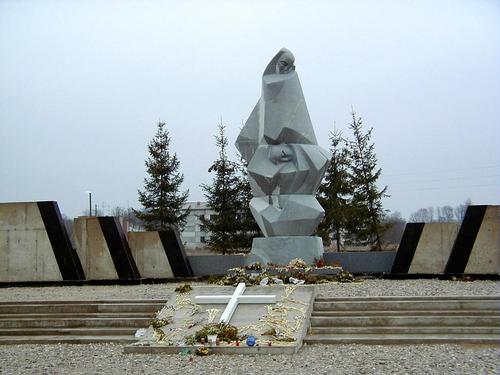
<point x="419" y="287"/>
<point x="337" y="359"/>
<point x="146" y="291"/>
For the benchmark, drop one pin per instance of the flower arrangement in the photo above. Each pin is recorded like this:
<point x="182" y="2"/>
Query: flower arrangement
<point x="297" y="263"/>
<point x="254" y="267"/>
<point x="185" y="288"/>
<point x="296" y="272"/>
<point x="225" y="332"/>
<point x="204" y="351"/>
<point x="319" y="263"/>
<point x="158" y="323"/>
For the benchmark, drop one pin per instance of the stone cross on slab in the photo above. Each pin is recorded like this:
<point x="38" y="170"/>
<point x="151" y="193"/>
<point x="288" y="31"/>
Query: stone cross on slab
<point x="233" y="301"/>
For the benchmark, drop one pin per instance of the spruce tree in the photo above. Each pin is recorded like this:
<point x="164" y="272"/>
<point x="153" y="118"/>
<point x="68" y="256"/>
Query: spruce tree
<point x="161" y="198"/>
<point x="334" y="192"/>
<point x="224" y="197"/>
<point x="249" y="228"/>
<point x="366" y="223"/>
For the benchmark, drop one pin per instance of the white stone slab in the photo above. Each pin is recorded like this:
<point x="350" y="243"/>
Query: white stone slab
<point x="233" y="301"/>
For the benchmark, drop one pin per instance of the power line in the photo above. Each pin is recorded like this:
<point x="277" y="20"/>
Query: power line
<point x="441" y="188"/>
<point x="445" y="179"/>
<point x="441" y="171"/>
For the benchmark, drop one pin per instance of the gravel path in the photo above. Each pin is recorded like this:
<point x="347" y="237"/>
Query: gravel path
<point x="420" y="287"/>
<point x="338" y="359"/>
<point x="92" y="292"/>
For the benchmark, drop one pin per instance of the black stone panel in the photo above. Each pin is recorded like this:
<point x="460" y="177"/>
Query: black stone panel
<point x="407" y="247"/>
<point x="466" y="237"/>
<point x="176" y="255"/>
<point x="118" y="248"/>
<point x="66" y="257"/>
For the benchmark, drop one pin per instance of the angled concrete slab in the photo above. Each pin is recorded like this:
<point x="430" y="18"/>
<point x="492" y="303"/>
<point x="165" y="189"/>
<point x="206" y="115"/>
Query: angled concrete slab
<point x="289" y="316"/>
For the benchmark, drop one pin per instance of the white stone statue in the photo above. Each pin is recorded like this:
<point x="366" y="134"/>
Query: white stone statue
<point x="285" y="163"/>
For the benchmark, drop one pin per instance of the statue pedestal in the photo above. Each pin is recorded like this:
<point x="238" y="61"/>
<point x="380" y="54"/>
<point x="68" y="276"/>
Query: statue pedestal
<point x="281" y="250"/>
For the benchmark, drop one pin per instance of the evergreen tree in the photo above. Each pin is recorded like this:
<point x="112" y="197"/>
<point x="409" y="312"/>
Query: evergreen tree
<point x="366" y="222"/>
<point x="224" y="197"/>
<point x="249" y="228"/>
<point x="161" y="198"/>
<point x="334" y="192"/>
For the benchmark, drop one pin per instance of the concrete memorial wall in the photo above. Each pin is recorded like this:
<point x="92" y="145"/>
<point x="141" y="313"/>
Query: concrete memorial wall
<point x="425" y="248"/>
<point x="159" y="254"/>
<point x="103" y="249"/>
<point x="477" y="248"/>
<point x="34" y="244"/>
<point x="149" y="255"/>
<point x="449" y="248"/>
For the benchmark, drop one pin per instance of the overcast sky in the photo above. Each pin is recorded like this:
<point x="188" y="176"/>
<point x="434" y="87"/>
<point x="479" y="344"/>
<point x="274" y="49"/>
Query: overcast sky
<point x="83" y="84"/>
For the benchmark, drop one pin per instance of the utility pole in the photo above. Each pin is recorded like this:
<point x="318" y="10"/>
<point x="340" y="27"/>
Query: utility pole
<point x="90" y="202"/>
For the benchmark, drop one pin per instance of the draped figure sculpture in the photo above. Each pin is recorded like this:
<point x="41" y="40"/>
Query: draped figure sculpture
<point x="285" y="165"/>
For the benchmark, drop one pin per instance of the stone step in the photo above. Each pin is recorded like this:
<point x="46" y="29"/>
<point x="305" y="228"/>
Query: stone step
<point x="85" y="302"/>
<point x="84" y="331"/>
<point x="116" y="315"/>
<point x="14" y="340"/>
<point x="406" y="305"/>
<point x="418" y="338"/>
<point x="405" y="320"/>
<point x="74" y="322"/>
<point x="79" y="308"/>
<point x="387" y="313"/>
<point x="321" y="298"/>
<point x="404" y="330"/>
<point x="410" y="320"/>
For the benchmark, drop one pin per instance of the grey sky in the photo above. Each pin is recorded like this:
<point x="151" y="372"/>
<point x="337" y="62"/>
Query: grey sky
<point x="83" y="84"/>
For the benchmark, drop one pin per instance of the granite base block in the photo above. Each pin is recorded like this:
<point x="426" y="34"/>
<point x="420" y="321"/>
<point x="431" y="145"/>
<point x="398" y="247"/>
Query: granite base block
<point x="281" y="250"/>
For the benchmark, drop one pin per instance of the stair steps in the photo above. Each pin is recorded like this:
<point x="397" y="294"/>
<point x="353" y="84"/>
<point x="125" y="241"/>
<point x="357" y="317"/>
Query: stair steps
<point x="77" y="322"/>
<point x="405" y="320"/>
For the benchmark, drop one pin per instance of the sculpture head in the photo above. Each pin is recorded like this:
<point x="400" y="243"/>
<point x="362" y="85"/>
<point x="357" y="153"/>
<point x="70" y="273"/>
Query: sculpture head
<point x="285" y="62"/>
<point x="282" y="63"/>
<point x="280" y="153"/>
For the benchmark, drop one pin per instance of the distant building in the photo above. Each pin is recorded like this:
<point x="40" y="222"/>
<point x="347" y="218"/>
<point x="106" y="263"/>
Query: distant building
<point x="192" y="235"/>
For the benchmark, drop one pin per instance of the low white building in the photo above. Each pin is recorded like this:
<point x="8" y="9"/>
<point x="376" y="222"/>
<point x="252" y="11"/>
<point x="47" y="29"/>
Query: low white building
<point x="192" y="235"/>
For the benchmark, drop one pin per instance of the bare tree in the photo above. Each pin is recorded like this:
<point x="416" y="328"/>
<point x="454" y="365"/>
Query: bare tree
<point x="68" y="223"/>
<point x="423" y="215"/>
<point x="118" y="211"/>
<point x="95" y="212"/>
<point x="135" y="224"/>
<point x="395" y="225"/>
<point x="459" y="211"/>
<point x="430" y="210"/>
<point x="445" y="214"/>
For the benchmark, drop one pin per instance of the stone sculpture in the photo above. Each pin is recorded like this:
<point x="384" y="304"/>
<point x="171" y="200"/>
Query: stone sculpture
<point x="285" y="167"/>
